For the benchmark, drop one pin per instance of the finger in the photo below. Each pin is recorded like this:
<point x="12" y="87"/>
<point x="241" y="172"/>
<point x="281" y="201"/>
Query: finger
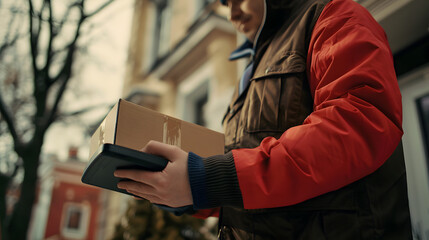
<point x="136" y="187"/>
<point x="150" y="198"/>
<point x="141" y="176"/>
<point x="136" y="197"/>
<point x="158" y="148"/>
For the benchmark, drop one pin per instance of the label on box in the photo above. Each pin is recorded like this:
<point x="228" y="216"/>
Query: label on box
<point x="172" y="132"/>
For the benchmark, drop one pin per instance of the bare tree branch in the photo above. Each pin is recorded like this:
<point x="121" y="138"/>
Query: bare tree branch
<point x="50" y="41"/>
<point x="35" y="33"/>
<point x="67" y="14"/>
<point x="99" y="9"/>
<point x="50" y="78"/>
<point x="8" y="177"/>
<point x="7" y="117"/>
<point x="70" y="48"/>
<point x="9" y="41"/>
<point x="65" y="72"/>
<point x="40" y="18"/>
<point x="8" y="44"/>
<point x="84" y="110"/>
<point x="33" y="37"/>
<point x="40" y="83"/>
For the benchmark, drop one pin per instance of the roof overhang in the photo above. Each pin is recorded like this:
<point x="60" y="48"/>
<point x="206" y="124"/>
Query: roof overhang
<point x="191" y="52"/>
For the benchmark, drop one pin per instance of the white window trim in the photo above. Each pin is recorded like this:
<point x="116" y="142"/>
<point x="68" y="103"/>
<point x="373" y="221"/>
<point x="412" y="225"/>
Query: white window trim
<point x="414" y="85"/>
<point x="82" y="232"/>
<point x="192" y="88"/>
<point x="149" y="40"/>
<point x="151" y="55"/>
<point x="164" y="38"/>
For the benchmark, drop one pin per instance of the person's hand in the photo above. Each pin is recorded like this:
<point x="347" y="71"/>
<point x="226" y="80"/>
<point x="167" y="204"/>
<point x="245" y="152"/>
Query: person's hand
<point x="169" y="187"/>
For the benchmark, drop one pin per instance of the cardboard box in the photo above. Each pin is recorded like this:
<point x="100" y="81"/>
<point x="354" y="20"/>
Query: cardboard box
<point x="133" y="126"/>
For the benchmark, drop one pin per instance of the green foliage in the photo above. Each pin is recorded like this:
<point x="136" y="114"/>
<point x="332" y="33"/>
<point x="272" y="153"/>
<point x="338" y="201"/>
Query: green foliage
<point x="142" y="220"/>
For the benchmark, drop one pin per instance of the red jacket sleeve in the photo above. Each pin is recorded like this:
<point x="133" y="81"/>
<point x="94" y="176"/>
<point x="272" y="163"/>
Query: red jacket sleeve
<point x="355" y="126"/>
<point x="205" y="213"/>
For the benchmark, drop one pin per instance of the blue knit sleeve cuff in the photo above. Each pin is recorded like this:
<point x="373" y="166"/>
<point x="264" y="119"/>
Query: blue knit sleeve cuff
<point x="197" y="180"/>
<point x="178" y="211"/>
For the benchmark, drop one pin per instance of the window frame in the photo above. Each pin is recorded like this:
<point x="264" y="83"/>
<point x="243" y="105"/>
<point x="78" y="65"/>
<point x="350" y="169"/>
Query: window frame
<point x="191" y="90"/>
<point x="82" y="229"/>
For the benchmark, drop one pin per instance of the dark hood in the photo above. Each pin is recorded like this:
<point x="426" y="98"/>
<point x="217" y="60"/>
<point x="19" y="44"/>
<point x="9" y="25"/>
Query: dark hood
<point x="277" y="12"/>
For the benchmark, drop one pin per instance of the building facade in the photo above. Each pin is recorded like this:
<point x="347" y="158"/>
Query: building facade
<point x="66" y="208"/>
<point x="177" y="64"/>
<point x="176" y="61"/>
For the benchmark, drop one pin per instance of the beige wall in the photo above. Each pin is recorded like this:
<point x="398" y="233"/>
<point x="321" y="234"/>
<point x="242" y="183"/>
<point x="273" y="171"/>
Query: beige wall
<point x="136" y="44"/>
<point x="208" y="55"/>
<point x="395" y="18"/>
<point x="213" y="50"/>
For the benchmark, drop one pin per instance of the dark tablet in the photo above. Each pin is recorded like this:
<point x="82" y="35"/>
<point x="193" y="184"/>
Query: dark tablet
<point x="110" y="157"/>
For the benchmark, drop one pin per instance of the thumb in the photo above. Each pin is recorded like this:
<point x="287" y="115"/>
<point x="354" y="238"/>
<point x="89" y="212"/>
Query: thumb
<point x="161" y="149"/>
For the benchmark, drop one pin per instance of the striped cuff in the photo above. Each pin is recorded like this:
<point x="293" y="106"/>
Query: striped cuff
<point x="222" y="182"/>
<point x="214" y="181"/>
<point x="197" y="180"/>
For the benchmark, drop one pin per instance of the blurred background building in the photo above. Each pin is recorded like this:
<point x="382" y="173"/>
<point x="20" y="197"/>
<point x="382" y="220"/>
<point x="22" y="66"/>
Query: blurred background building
<point x="177" y="64"/>
<point x="67" y="209"/>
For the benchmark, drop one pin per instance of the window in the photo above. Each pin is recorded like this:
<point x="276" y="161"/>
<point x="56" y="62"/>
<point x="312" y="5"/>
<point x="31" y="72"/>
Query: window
<point x="199" y="108"/>
<point x="164" y="30"/>
<point x="423" y="112"/>
<point x="75" y="220"/>
<point x="160" y="30"/>
<point x="193" y="96"/>
<point x="194" y="103"/>
<point x="415" y="91"/>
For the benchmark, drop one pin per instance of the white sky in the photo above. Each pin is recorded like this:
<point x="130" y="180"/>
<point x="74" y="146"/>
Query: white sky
<point x="100" y="77"/>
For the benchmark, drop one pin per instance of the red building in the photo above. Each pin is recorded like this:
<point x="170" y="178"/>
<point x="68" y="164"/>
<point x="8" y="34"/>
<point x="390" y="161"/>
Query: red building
<point x="67" y="209"/>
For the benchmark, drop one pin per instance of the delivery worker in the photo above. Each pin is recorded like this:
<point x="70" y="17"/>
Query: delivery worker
<point x="313" y="132"/>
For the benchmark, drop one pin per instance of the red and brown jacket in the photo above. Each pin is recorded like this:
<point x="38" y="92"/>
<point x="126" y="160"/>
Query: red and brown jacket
<point x="313" y="144"/>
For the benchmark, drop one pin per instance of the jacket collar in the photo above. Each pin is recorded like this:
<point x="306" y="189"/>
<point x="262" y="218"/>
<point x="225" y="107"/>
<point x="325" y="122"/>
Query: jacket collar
<point x="248" y="49"/>
<point x="244" y="51"/>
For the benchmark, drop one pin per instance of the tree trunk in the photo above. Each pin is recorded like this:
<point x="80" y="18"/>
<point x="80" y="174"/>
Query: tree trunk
<point x="4" y="183"/>
<point x="21" y="216"/>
